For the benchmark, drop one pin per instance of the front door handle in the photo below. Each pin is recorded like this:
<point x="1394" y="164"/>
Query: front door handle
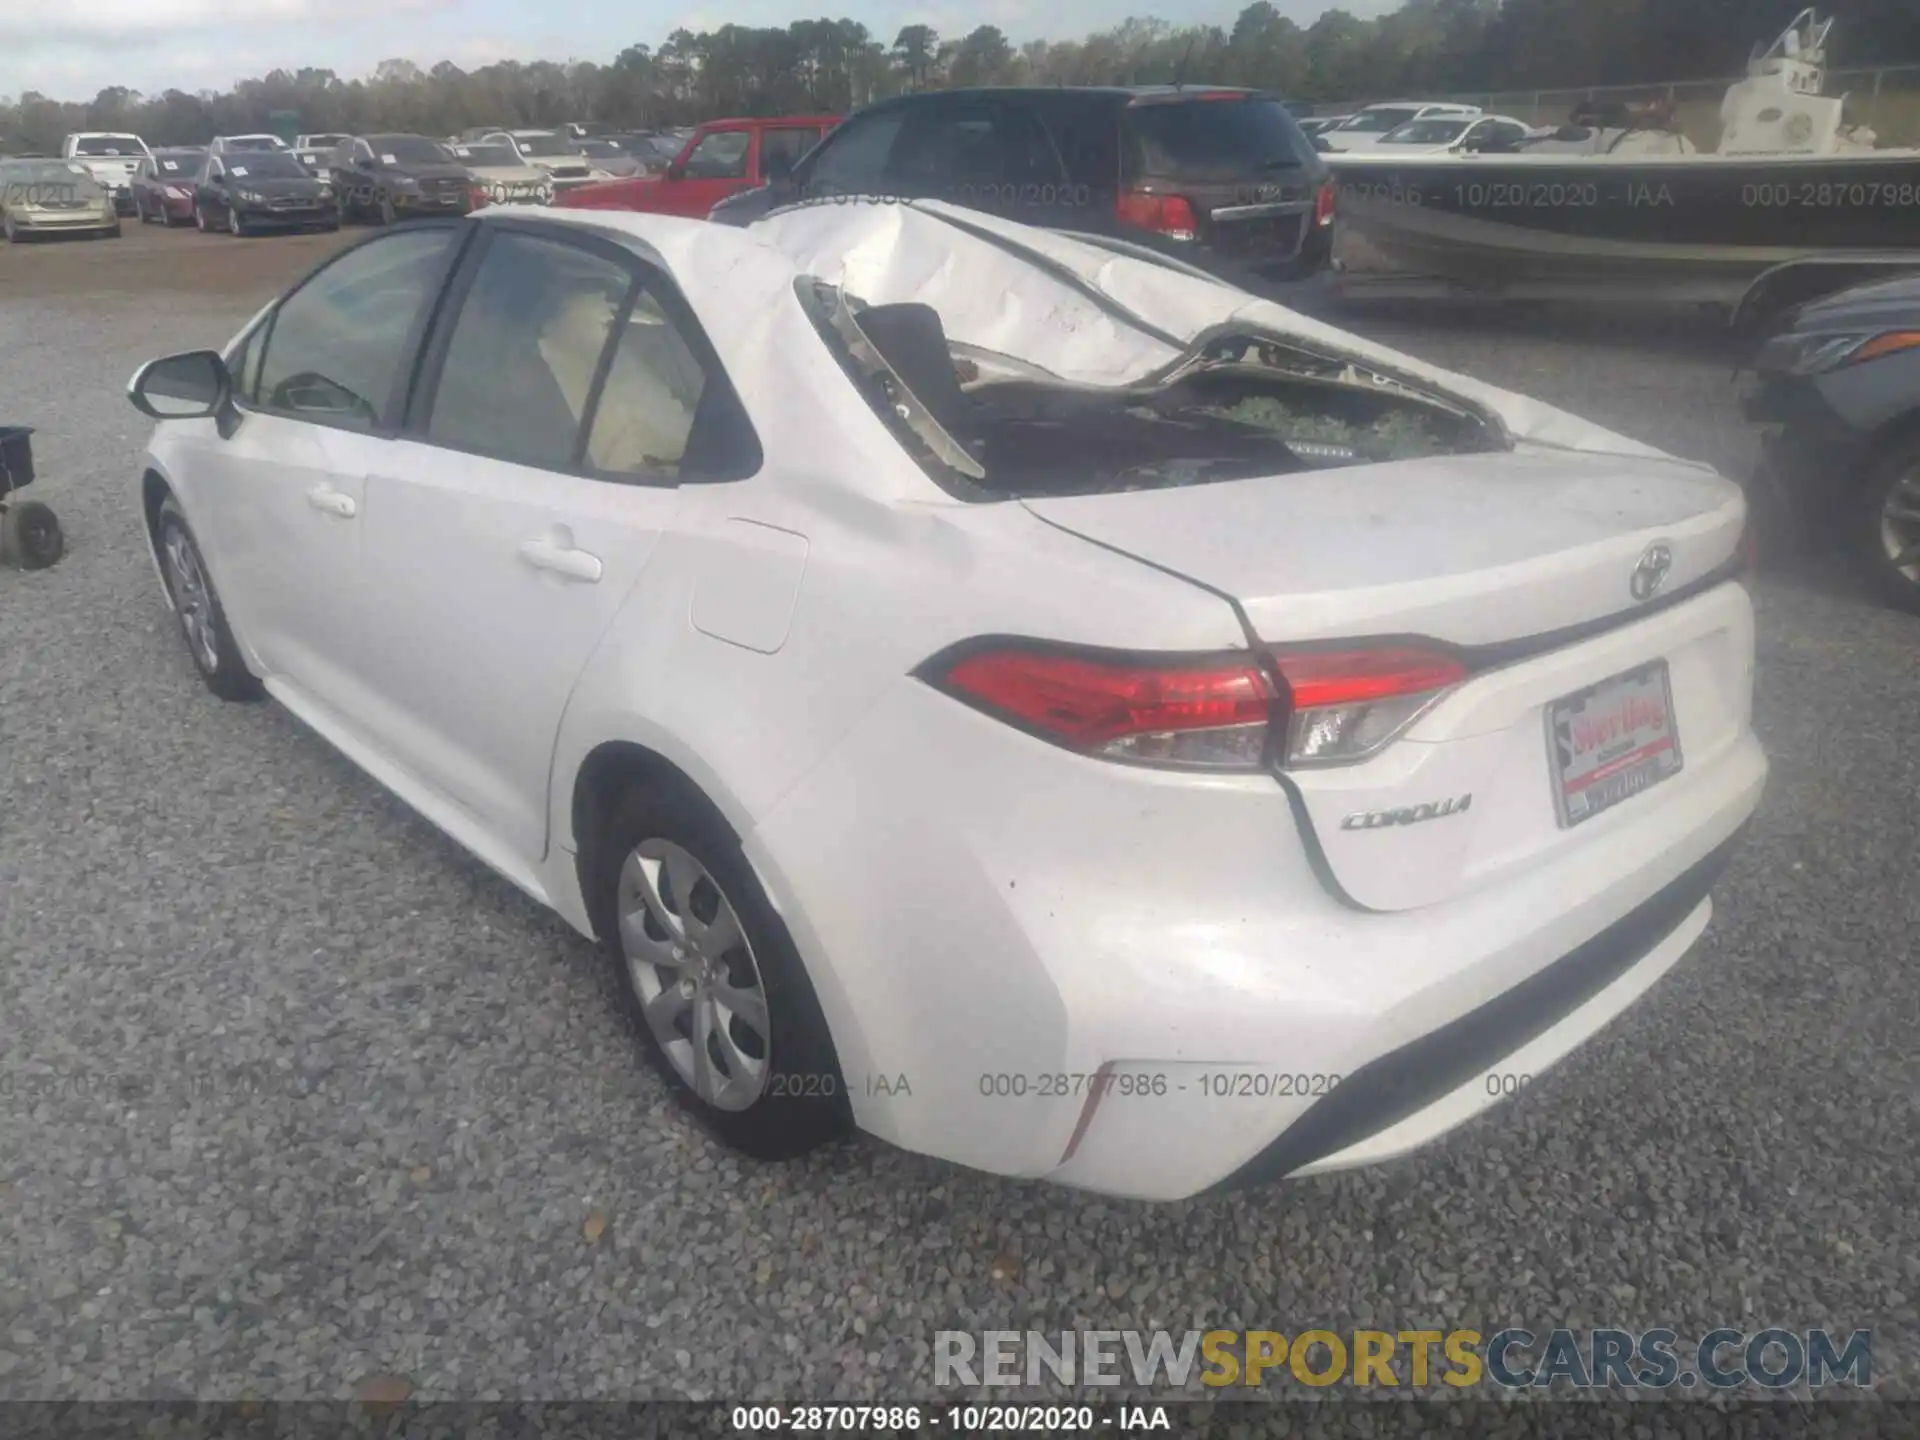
<point x="326" y="498"/>
<point x="561" y="560"/>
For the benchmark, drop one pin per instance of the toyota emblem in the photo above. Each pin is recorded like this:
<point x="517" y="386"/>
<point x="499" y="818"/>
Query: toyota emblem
<point x="1651" y="573"/>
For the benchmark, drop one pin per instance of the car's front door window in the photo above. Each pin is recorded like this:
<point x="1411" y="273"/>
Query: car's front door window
<point x="719" y="156"/>
<point x="339" y="345"/>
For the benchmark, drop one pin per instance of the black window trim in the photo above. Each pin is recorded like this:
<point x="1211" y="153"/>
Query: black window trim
<point x="647" y="274"/>
<point x="405" y="382"/>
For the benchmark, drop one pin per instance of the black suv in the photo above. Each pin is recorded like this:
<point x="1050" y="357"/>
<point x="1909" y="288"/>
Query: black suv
<point x="1221" y="178"/>
<point x="391" y="177"/>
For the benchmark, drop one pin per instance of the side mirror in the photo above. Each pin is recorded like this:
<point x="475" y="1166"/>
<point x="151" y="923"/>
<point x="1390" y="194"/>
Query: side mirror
<point x="189" y="386"/>
<point x="363" y="162"/>
<point x="677" y="170"/>
<point x="1320" y="144"/>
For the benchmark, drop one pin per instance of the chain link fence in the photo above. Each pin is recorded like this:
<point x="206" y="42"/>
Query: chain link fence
<point x="1887" y="101"/>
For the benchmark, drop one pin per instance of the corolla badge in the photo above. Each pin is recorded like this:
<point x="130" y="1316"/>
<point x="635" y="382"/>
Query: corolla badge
<point x="1406" y="814"/>
<point x="1651" y="573"/>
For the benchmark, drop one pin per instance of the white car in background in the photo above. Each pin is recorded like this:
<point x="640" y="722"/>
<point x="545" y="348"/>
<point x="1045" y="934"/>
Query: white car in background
<point x="112" y="159"/>
<point x="1438" y="134"/>
<point x="506" y="178"/>
<point x="1010" y="693"/>
<point x="222" y="144"/>
<point x="548" y="151"/>
<point x="1366" y="127"/>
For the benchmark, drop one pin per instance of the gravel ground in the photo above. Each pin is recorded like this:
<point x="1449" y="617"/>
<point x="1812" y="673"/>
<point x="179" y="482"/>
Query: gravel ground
<point x="298" y="1095"/>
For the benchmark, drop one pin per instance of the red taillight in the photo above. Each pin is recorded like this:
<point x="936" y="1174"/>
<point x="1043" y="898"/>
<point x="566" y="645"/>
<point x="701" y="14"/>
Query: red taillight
<point x="1168" y="215"/>
<point x="477" y="198"/>
<point x="1206" y="714"/>
<point x="1345" y="705"/>
<point x="1324" y="202"/>
<point x="1334" y="706"/>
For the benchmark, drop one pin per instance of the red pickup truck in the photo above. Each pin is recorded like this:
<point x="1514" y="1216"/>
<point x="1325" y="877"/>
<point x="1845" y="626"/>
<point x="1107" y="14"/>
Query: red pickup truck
<point x="723" y="158"/>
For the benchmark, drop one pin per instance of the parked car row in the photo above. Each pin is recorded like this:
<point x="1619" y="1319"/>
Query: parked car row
<point x="1215" y="177"/>
<point x="245" y="183"/>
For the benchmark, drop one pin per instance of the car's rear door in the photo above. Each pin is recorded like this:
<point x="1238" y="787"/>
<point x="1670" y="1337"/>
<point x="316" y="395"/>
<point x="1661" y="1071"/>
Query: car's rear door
<point x="542" y="464"/>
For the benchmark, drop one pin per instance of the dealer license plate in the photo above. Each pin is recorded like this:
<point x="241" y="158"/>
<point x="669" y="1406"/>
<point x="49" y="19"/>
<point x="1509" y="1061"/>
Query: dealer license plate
<point x="1611" y="741"/>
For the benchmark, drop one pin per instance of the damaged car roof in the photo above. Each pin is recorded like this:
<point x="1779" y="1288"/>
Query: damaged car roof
<point x="1081" y="310"/>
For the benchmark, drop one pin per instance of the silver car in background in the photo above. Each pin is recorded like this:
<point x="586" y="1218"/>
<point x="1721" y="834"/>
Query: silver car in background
<point x="48" y="197"/>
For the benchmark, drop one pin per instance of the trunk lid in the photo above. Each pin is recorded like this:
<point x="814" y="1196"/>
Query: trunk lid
<point x="1470" y="549"/>
<point x="1487" y="550"/>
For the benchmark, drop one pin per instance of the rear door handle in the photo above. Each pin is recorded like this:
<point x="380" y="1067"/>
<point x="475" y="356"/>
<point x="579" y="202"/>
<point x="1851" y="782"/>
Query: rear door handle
<point x="326" y="498"/>
<point x="561" y="560"/>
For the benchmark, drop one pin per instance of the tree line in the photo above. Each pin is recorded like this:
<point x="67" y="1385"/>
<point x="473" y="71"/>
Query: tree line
<point x="833" y="66"/>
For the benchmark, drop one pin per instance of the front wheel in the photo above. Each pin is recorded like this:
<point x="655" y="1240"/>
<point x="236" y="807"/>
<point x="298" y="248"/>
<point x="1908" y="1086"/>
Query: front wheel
<point x="203" y="623"/>
<point x="1887" y="526"/>
<point x="711" y="979"/>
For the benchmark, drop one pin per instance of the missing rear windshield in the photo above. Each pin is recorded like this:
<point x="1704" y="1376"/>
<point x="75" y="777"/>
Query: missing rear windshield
<point x="1235" y="407"/>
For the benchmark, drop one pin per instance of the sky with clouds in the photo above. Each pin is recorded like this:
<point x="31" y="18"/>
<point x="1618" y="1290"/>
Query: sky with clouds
<point x="71" y="49"/>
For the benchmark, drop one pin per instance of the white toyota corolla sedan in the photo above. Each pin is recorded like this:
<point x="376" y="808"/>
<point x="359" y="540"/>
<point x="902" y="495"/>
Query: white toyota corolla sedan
<point x="995" y="689"/>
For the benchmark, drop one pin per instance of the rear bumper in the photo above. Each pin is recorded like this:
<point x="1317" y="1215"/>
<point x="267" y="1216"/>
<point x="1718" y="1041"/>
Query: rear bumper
<point x="1408" y="1096"/>
<point x="1136" y="983"/>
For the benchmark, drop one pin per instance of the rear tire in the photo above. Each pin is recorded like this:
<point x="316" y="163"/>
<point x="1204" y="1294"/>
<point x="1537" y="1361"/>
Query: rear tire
<point x="667" y="872"/>
<point x="203" y="621"/>
<point x="1886" y="527"/>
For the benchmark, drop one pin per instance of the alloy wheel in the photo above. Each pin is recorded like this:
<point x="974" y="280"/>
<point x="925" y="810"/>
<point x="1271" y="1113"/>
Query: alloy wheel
<point x="1900" y="523"/>
<point x="193" y="596"/>
<point x="694" y="970"/>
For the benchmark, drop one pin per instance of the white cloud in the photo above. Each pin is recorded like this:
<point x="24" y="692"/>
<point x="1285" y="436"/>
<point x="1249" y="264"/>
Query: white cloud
<point x="125" y="22"/>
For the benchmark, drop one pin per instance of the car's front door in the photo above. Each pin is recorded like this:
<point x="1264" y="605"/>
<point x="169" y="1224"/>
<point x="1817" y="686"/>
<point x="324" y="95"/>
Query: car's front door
<point x="279" y="500"/>
<point x="714" y="167"/>
<point x="541" y="466"/>
<point x="210" y="196"/>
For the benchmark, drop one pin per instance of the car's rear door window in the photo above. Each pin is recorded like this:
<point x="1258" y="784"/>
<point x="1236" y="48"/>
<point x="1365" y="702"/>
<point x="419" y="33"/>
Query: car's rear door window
<point x="340" y="346"/>
<point x="526" y="350"/>
<point x="1213" y="139"/>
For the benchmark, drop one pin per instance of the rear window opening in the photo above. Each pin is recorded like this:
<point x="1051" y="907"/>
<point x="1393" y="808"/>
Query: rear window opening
<point x="1206" y="139"/>
<point x="1236" y="407"/>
